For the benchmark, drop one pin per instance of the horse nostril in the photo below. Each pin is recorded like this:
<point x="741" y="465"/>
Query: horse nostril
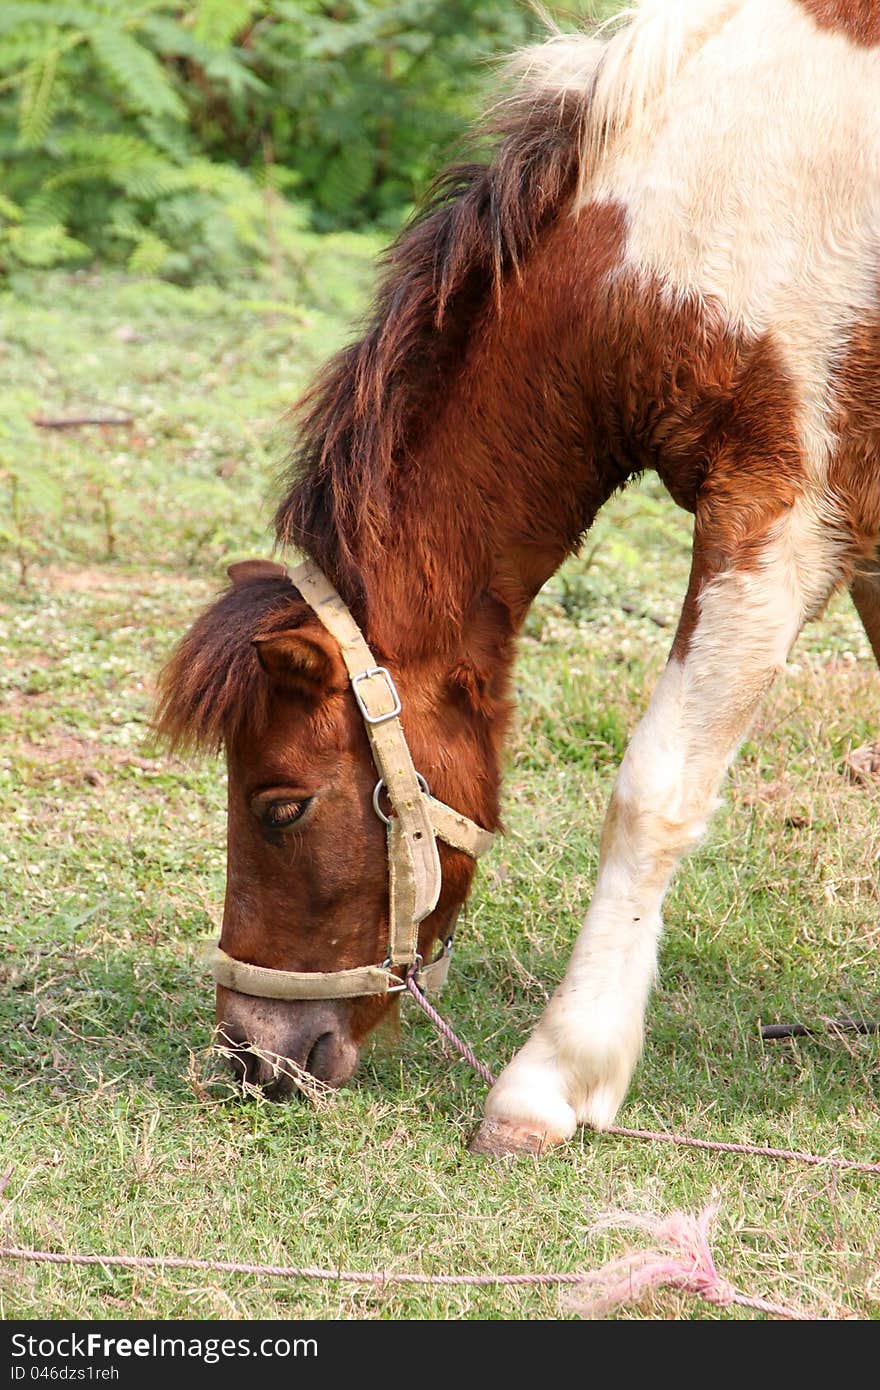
<point x="249" y="1067"/>
<point x="332" y="1058"/>
<point x="320" y="1055"/>
<point x="248" y="1063"/>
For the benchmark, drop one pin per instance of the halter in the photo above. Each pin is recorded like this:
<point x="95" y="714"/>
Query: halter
<point x="417" y="821"/>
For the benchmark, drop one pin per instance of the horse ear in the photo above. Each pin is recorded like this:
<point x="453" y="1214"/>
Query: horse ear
<point x="488" y="632"/>
<point x="246" y="570"/>
<point x="301" y="662"/>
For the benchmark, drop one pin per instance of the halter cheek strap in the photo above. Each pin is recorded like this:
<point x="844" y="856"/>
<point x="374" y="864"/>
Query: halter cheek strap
<point x="418" y="820"/>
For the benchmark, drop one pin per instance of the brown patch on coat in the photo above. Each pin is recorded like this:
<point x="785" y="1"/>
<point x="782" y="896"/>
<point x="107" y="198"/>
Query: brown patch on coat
<point x="865" y="592"/>
<point x="859" y="20"/>
<point x="580" y="377"/>
<point x="715" y="415"/>
<point x="854" y="474"/>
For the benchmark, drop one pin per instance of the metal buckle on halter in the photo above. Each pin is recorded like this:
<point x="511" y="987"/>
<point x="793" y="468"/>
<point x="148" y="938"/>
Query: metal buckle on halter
<point x="392" y="688"/>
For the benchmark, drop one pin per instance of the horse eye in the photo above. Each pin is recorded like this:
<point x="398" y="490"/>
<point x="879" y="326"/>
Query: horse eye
<point x="278" y="815"/>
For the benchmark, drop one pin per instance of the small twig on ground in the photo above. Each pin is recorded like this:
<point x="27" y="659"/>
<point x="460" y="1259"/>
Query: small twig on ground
<point x="656" y="618"/>
<point x="772" y="1031"/>
<point x="74" y="422"/>
<point x="6" y="1178"/>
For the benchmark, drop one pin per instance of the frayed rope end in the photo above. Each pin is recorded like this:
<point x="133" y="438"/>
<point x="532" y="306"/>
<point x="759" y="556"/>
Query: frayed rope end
<point x="683" y="1261"/>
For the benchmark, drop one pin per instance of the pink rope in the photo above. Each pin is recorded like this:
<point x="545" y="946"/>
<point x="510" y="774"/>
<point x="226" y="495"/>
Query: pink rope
<point x="443" y="1027"/>
<point x="687" y="1264"/>
<point x="345" y="1276"/>
<point x="751" y="1150"/>
<point x="654" y="1136"/>
<point x="717" y="1291"/>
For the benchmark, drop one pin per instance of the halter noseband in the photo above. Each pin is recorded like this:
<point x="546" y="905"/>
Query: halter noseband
<point x="417" y="822"/>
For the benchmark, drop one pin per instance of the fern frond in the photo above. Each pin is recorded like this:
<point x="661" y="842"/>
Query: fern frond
<point x="19" y="50"/>
<point x="44" y="246"/>
<point x="221" y="65"/>
<point x="203" y="176"/>
<point x="105" y="147"/>
<point x="47" y="208"/>
<point x="40" y="13"/>
<point x="122" y="223"/>
<point x="35" y="104"/>
<point x="136" y="71"/>
<point x="125" y="161"/>
<point x="10" y="210"/>
<point x="218" y="21"/>
<point x="149" y="255"/>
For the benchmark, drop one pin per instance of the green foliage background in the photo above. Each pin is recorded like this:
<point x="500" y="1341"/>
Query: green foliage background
<point x="190" y="140"/>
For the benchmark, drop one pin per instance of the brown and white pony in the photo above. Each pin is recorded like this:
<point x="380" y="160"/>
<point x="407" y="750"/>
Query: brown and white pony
<point x="670" y="261"/>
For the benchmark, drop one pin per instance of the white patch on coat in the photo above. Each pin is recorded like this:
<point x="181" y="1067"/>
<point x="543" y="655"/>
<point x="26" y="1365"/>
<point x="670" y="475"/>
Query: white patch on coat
<point x="744" y="143"/>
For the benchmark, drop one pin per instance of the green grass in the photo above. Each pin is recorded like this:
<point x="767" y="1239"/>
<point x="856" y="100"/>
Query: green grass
<point x="121" y="1131"/>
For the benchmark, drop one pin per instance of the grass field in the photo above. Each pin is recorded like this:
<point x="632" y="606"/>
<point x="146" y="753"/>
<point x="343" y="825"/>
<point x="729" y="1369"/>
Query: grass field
<point x="120" y="1128"/>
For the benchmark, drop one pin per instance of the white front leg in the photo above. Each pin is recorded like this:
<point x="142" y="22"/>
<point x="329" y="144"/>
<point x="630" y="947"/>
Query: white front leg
<point x="577" y="1065"/>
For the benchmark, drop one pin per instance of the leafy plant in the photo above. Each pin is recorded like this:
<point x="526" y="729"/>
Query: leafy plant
<point x="173" y="137"/>
<point x="99" y="138"/>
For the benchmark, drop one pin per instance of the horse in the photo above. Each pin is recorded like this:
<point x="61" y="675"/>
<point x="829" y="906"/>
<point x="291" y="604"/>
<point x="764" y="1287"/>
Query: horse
<point x="667" y="258"/>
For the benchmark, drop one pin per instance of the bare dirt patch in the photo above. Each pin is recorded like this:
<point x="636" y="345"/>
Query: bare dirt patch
<point x="71" y="753"/>
<point x="94" y="579"/>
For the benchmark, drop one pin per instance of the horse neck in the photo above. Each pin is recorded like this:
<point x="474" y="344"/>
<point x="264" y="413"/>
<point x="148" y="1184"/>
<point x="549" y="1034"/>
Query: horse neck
<point x="505" y="474"/>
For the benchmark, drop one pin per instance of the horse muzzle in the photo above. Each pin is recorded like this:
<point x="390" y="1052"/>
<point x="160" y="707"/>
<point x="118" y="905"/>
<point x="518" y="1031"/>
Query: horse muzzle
<point x="277" y="1044"/>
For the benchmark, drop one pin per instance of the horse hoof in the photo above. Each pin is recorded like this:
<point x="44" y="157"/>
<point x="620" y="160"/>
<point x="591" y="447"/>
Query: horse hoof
<point x="503" y="1137"/>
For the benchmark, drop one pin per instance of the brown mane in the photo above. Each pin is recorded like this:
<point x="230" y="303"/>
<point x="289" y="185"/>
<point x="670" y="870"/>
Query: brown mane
<point x="367" y="407"/>
<point x="213" y="685"/>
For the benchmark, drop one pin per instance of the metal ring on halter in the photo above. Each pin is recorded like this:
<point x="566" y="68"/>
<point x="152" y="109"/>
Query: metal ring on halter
<point x="416" y="966"/>
<point x="377" y="792"/>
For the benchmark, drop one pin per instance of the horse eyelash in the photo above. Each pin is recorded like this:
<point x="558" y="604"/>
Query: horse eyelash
<point x="277" y="814"/>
